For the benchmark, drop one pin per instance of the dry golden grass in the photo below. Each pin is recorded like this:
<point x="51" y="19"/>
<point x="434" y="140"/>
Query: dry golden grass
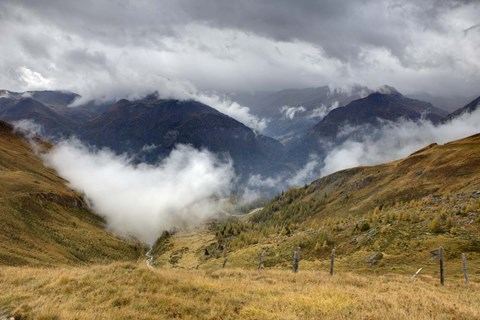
<point x="387" y="208"/>
<point x="185" y="248"/>
<point x="438" y="169"/>
<point x="132" y="291"/>
<point x="42" y="221"/>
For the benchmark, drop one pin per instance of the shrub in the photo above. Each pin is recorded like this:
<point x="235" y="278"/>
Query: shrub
<point x="365" y="226"/>
<point x="435" y="225"/>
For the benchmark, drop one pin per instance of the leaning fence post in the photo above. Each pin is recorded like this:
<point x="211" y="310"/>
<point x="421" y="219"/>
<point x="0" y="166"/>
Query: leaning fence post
<point x="296" y="259"/>
<point x="464" y="264"/>
<point x="332" y="260"/>
<point x="260" y="261"/>
<point x="442" y="271"/>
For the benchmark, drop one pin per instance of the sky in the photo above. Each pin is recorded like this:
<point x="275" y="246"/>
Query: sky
<point x="183" y="48"/>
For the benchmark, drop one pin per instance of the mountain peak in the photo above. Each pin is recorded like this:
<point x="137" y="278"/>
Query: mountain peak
<point x="386" y="89"/>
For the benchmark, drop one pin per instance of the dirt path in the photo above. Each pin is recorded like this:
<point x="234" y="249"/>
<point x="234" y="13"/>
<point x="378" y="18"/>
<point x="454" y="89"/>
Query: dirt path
<point x="149" y="259"/>
<point x="185" y="248"/>
<point x="242" y="216"/>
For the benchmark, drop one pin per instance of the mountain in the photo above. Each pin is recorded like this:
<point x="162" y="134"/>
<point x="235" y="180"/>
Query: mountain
<point x="42" y="222"/>
<point x="469" y="108"/>
<point x="389" y="105"/>
<point x="292" y="112"/>
<point x="150" y="128"/>
<point x="53" y="124"/>
<point x="389" y="218"/>
<point x="268" y="104"/>
<point x="50" y="109"/>
<point x="449" y="103"/>
<point x="359" y="117"/>
<point x="55" y="99"/>
<point x="16" y="106"/>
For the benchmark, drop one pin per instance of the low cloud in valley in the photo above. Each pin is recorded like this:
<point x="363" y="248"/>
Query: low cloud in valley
<point x="395" y="140"/>
<point x="143" y="200"/>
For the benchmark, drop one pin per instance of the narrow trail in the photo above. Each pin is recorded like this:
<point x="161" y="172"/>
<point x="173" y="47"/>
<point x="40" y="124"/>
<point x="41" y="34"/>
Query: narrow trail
<point x="149" y="259"/>
<point x="186" y="248"/>
<point x="244" y="215"/>
<point x="185" y="244"/>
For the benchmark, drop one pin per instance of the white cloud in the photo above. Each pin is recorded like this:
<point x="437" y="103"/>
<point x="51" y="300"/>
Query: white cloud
<point x="132" y="53"/>
<point x="258" y="185"/>
<point x="306" y="174"/>
<point x="232" y="109"/>
<point x="322" y="111"/>
<point x="396" y="140"/>
<point x="28" y="128"/>
<point x="143" y="200"/>
<point x="31" y="79"/>
<point x="291" y="111"/>
<point x="258" y="181"/>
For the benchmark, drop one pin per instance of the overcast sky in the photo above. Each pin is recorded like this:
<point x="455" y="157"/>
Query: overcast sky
<point x="121" y="48"/>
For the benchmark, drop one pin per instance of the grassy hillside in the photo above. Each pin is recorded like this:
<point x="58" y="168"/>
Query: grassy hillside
<point x="435" y="170"/>
<point x="384" y="221"/>
<point x="386" y="218"/>
<point x="132" y="291"/>
<point x="42" y="222"/>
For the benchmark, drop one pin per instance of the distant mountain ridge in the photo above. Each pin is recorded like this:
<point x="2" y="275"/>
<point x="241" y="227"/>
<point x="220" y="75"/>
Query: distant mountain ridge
<point x="48" y="108"/>
<point x="292" y="112"/>
<point x="129" y="126"/>
<point x="469" y="108"/>
<point x="149" y="128"/>
<point x="51" y="98"/>
<point x="359" y="116"/>
<point x="387" y="105"/>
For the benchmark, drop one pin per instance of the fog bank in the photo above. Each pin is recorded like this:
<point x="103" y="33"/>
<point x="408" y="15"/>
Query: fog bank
<point x="143" y="200"/>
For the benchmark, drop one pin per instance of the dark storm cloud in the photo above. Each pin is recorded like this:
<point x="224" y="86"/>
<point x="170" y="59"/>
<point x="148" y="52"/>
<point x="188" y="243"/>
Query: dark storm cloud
<point x="111" y="21"/>
<point x="340" y="27"/>
<point x="35" y="46"/>
<point x="222" y="46"/>
<point x="85" y="57"/>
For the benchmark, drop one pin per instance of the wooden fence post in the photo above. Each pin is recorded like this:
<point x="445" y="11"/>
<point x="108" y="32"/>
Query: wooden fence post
<point x="464" y="264"/>
<point x="260" y="261"/>
<point x="224" y="258"/>
<point x="332" y="260"/>
<point x="442" y="271"/>
<point x="296" y="259"/>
